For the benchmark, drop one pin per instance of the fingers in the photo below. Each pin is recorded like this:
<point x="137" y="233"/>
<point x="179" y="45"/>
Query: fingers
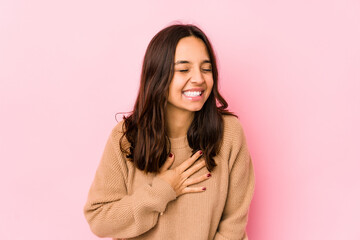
<point x="185" y="165"/>
<point x="179" y="179"/>
<point x="193" y="189"/>
<point x="194" y="169"/>
<point x="169" y="161"/>
<point x="191" y="181"/>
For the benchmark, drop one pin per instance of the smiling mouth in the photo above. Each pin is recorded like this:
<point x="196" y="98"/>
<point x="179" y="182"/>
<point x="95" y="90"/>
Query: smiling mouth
<point x="193" y="93"/>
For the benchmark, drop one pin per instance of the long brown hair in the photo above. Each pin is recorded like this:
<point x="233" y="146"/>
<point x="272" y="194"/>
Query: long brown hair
<point x="145" y="128"/>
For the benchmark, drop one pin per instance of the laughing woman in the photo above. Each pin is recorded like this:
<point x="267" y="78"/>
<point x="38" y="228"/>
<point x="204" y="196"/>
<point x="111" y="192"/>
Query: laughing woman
<point x="177" y="167"/>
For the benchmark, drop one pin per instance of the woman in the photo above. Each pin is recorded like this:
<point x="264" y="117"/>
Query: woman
<point x="178" y="167"/>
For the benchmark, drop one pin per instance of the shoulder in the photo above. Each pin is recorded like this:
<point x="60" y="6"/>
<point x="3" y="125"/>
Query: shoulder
<point x="118" y="129"/>
<point x="231" y="121"/>
<point x="112" y="148"/>
<point x="116" y="135"/>
<point x="233" y="138"/>
<point x="233" y="130"/>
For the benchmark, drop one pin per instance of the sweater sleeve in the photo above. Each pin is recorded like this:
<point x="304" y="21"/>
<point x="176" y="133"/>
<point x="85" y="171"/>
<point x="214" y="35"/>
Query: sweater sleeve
<point x="241" y="189"/>
<point x="110" y="210"/>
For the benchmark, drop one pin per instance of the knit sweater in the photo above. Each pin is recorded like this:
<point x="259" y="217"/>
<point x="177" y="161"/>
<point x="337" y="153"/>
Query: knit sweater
<point x="125" y="203"/>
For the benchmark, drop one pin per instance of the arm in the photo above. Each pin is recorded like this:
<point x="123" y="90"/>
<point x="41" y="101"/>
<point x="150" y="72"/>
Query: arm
<point x="110" y="211"/>
<point x="240" y="193"/>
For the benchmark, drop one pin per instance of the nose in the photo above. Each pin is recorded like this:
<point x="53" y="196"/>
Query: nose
<point x="197" y="77"/>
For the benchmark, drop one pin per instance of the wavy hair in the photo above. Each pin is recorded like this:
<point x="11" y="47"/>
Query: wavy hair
<point x="145" y="127"/>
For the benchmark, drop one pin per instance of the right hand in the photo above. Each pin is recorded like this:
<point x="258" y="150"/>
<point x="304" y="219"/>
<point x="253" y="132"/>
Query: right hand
<point x="178" y="177"/>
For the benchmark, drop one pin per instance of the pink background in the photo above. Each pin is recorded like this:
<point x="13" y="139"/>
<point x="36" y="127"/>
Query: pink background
<point x="289" y="69"/>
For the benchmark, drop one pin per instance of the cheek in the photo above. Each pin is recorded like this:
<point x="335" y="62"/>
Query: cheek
<point x="176" y="86"/>
<point x="174" y="90"/>
<point x="210" y="83"/>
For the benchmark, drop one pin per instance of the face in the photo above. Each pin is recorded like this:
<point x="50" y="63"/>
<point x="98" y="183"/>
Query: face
<point x="193" y="80"/>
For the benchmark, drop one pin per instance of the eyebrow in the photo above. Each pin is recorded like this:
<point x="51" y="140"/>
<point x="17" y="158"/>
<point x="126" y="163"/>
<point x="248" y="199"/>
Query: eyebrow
<point x="185" y="62"/>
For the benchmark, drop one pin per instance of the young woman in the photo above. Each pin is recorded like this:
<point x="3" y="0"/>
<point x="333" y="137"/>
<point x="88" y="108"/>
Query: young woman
<point x="178" y="167"/>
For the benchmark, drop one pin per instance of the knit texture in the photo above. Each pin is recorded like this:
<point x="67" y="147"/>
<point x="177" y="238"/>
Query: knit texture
<point x="126" y="203"/>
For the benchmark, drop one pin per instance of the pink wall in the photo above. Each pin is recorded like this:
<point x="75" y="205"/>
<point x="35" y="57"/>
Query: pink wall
<point x="289" y="69"/>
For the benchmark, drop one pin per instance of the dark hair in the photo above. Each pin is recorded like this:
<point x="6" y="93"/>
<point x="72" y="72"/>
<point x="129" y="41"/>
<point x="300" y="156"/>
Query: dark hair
<point x="145" y="128"/>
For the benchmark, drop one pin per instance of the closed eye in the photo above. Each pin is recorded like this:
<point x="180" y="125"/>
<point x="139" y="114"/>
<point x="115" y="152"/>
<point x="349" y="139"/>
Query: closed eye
<point x="186" y="70"/>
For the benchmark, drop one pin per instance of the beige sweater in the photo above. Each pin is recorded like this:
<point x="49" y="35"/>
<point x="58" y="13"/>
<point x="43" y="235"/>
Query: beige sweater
<point x="125" y="203"/>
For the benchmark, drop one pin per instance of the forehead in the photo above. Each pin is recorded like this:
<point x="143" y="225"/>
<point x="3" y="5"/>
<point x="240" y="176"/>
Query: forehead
<point x="192" y="49"/>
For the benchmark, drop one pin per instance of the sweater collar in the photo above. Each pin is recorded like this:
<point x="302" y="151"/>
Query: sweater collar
<point x="180" y="142"/>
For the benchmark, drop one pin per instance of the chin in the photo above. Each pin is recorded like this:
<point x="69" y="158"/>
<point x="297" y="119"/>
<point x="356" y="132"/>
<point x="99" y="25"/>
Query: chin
<point x="194" y="109"/>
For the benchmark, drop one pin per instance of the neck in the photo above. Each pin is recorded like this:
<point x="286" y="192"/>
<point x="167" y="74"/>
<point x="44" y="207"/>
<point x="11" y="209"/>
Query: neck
<point x="178" y="122"/>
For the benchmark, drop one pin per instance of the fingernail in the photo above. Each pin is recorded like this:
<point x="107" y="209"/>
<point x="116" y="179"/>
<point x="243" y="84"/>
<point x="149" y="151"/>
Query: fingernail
<point x="204" y="188"/>
<point x="170" y="154"/>
<point x="208" y="175"/>
<point x="201" y="152"/>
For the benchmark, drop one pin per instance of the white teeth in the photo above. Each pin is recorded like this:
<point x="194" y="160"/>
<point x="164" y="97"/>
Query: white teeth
<point x="192" y="94"/>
